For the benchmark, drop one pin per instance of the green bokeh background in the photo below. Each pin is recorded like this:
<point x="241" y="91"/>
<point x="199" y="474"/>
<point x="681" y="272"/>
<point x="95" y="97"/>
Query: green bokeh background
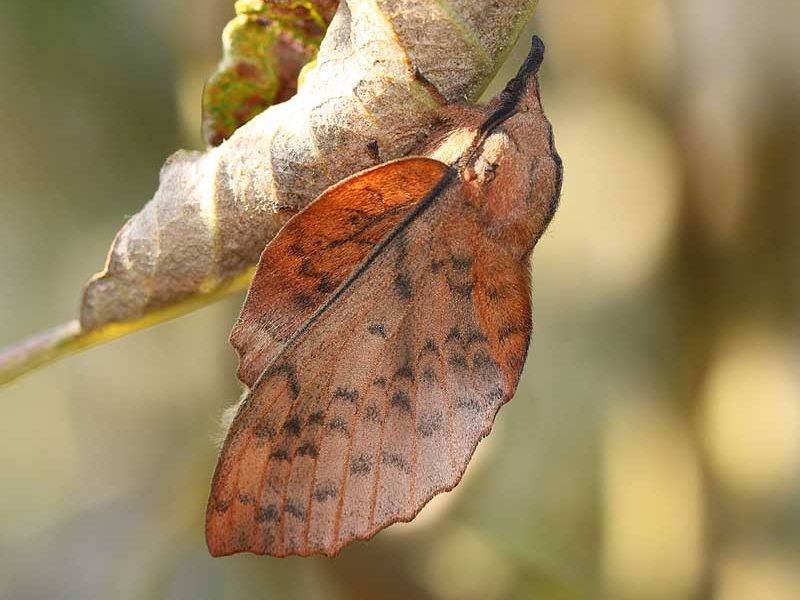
<point x="653" y="449"/>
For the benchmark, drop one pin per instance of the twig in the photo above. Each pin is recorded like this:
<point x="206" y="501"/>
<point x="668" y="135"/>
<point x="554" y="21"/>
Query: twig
<point x="61" y="341"/>
<point x="41" y="349"/>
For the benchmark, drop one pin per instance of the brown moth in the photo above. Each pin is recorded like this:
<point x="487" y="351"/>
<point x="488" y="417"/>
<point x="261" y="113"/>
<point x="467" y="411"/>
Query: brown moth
<point x="386" y="325"/>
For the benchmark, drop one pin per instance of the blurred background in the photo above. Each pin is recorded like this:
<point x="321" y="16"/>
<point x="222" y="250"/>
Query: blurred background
<point x="653" y="449"/>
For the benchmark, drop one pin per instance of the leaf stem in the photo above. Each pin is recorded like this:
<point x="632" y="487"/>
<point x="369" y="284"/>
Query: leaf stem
<point x="69" y="338"/>
<point x="40" y="349"/>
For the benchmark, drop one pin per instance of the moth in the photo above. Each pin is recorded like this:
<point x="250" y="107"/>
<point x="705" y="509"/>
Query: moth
<point x="385" y="326"/>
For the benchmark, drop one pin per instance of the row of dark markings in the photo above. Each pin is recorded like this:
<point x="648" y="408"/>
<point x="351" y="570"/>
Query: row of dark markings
<point x="427" y="425"/>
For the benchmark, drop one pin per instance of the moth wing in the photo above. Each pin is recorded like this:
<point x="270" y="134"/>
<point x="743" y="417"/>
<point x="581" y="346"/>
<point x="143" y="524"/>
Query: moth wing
<point x="318" y="248"/>
<point x="378" y="403"/>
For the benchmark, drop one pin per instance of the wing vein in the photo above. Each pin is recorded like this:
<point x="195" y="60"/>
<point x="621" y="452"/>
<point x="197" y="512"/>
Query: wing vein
<point x="446" y="399"/>
<point x="379" y="449"/>
<point x="246" y="447"/>
<point x="346" y="470"/>
<point x="317" y="439"/>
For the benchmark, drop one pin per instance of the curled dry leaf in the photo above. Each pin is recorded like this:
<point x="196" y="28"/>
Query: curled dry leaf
<point x="383" y="70"/>
<point x="265" y="47"/>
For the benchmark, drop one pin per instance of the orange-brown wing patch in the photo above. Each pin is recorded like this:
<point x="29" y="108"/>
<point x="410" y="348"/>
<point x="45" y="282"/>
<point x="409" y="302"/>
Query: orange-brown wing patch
<point x="378" y="404"/>
<point x="318" y="248"/>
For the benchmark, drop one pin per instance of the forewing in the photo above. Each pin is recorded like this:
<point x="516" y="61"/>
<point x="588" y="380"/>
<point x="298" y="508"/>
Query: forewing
<point x="317" y="249"/>
<point x="377" y="404"/>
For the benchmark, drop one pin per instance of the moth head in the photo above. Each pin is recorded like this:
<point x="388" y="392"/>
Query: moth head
<point x="514" y="171"/>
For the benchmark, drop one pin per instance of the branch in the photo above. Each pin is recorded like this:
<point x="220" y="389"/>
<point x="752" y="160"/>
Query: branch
<point x="69" y="338"/>
<point x="41" y="349"/>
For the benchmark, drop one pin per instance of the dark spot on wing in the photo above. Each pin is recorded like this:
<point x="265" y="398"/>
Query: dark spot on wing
<point x="493" y="294"/>
<point x="482" y="360"/>
<point x="296" y="249"/>
<point x="304" y="301"/>
<point x="429" y="375"/>
<point x="346" y="394"/>
<point x="307" y="269"/>
<point x="325" y="285"/>
<point x="479" y="405"/>
<point x="377" y="329"/>
<point x="495" y="394"/>
<point x="453" y="334"/>
<point x="292" y="426"/>
<point x="241" y="542"/>
<point x="401" y="400"/>
<point x="284" y="368"/>
<point x="372" y="413"/>
<point x="429" y="424"/>
<point x="463" y="290"/>
<point x="264" y="430"/>
<point x="221" y="506"/>
<point x="246" y="499"/>
<point x="508" y="330"/>
<point x="460" y="262"/>
<point x="436" y="265"/>
<point x="326" y="491"/>
<point x="458" y="360"/>
<point x="475" y="337"/>
<point x="361" y="465"/>
<point x="279" y="454"/>
<point x="338" y="424"/>
<point x="296" y="509"/>
<point x="308" y="449"/>
<point x="402" y="285"/>
<point x="395" y="460"/>
<point x="404" y="372"/>
<point x="267" y="514"/>
<point x="430" y="347"/>
<point x="469" y="404"/>
<point x="380" y="382"/>
<point x="288" y="371"/>
<point x="316" y="418"/>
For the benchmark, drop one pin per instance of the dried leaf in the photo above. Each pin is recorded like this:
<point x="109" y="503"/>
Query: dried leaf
<point x="264" y="48"/>
<point x="375" y="92"/>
